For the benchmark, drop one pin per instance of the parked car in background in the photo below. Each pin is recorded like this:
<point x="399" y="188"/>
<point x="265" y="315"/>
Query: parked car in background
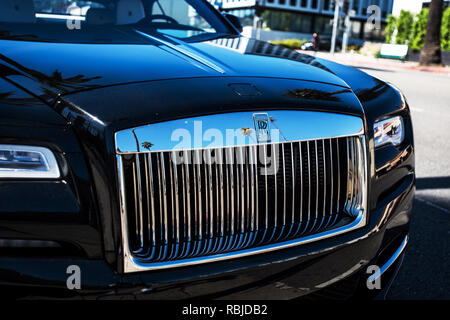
<point x="324" y="44"/>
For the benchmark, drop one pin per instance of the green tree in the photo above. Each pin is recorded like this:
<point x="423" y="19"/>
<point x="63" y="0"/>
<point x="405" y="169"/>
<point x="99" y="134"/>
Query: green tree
<point x="418" y="30"/>
<point x="404" y="25"/>
<point x="445" y="30"/>
<point x="390" y="27"/>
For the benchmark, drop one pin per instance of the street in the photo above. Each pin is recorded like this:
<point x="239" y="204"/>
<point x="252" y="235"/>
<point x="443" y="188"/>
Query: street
<point x="426" y="268"/>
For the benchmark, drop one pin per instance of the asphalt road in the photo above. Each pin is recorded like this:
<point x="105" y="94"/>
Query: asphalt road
<point x="425" y="273"/>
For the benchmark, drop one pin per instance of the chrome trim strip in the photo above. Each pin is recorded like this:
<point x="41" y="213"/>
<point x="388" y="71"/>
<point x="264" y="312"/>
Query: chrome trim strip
<point x="185" y="52"/>
<point x="391" y="260"/>
<point x="296" y="126"/>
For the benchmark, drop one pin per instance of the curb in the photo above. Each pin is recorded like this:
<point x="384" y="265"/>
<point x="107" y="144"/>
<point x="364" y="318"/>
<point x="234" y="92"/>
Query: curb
<point x="377" y="64"/>
<point x="394" y="66"/>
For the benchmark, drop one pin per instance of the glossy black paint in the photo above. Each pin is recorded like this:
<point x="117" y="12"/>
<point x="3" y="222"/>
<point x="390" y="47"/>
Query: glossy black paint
<point x="73" y="97"/>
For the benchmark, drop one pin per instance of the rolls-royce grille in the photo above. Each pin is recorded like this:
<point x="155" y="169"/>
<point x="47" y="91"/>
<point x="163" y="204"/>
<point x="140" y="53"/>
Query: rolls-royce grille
<point x="196" y="203"/>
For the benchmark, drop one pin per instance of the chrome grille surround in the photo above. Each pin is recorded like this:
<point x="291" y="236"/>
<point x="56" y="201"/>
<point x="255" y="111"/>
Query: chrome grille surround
<point x="205" y="212"/>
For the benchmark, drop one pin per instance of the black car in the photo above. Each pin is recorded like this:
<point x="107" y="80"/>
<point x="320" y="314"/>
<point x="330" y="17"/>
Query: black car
<point x="148" y="150"/>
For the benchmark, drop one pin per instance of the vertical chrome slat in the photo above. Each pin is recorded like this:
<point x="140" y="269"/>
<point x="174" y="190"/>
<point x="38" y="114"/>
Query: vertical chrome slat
<point x="185" y="244"/>
<point x="166" y="217"/>
<point x="231" y="192"/>
<point x="136" y="200"/>
<point x="199" y="196"/>
<point x="188" y="201"/>
<point x="222" y="190"/>
<point x="338" y="178"/>
<point x="357" y="174"/>
<point x="252" y="188"/>
<point x="238" y="207"/>
<point x="151" y="194"/>
<point x="275" y="202"/>
<point x="293" y="188"/>
<point x="266" y="191"/>
<point x="160" y="208"/>
<point x="249" y="199"/>
<point x="207" y="213"/>
<point x="177" y="203"/>
<point x="309" y="186"/>
<point x="203" y="159"/>
<point x="352" y="206"/>
<point x="353" y="175"/>
<point x="147" y="210"/>
<point x="331" y="184"/>
<point x="360" y="173"/>
<point x="218" y="203"/>
<point x="257" y="189"/>
<point x="228" y="200"/>
<point x="284" y="186"/>
<point x="172" y="201"/>
<point x="242" y="235"/>
<point x="316" y="151"/>
<point x="141" y="211"/>
<point x="197" y="200"/>
<point x="349" y="176"/>
<point x="324" y="159"/>
<point x="211" y="203"/>
<point x="242" y="182"/>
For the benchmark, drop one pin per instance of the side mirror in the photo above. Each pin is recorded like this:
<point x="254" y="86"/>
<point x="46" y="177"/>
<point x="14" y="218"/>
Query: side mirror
<point x="235" y="21"/>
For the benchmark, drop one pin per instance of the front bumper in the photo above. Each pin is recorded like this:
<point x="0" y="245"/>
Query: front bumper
<point x="285" y="274"/>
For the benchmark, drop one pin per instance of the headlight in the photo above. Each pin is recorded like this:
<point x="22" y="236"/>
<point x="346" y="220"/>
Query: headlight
<point x="389" y="131"/>
<point x="27" y="162"/>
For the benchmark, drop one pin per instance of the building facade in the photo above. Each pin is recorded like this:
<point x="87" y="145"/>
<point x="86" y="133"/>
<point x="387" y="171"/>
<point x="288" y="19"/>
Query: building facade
<point x="308" y="16"/>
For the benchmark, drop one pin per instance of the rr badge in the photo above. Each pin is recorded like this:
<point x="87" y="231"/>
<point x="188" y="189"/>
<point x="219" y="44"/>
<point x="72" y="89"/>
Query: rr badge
<point x="261" y="122"/>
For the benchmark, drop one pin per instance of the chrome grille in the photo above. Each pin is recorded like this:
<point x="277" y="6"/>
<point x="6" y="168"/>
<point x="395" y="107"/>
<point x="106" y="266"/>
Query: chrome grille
<point x="233" y="199"/>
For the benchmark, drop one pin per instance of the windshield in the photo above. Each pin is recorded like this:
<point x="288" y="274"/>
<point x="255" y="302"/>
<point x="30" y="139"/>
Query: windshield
<point x="109" y="21"/>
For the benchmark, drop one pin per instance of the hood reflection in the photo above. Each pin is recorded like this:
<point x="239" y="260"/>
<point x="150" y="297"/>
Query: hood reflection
<point x="257" y="47"/>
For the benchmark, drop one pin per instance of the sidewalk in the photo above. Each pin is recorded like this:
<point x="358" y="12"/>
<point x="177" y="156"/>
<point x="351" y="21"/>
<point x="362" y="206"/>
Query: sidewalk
<point x="358" y="60"/>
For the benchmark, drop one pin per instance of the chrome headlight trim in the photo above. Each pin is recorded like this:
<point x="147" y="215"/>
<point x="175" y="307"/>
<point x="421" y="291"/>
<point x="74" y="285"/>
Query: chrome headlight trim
<point x="27" y="162"/>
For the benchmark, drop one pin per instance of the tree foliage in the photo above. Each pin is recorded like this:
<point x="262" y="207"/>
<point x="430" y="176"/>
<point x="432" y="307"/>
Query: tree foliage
<point x="418" y="30"/>
<point x="390" y="27"/>
<point x="404" y="26"/>
<point x="445" y="30"/>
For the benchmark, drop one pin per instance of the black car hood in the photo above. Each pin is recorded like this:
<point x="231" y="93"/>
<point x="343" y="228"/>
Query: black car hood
<point x="126" y="85"/>
<point x="67" y="67"/>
